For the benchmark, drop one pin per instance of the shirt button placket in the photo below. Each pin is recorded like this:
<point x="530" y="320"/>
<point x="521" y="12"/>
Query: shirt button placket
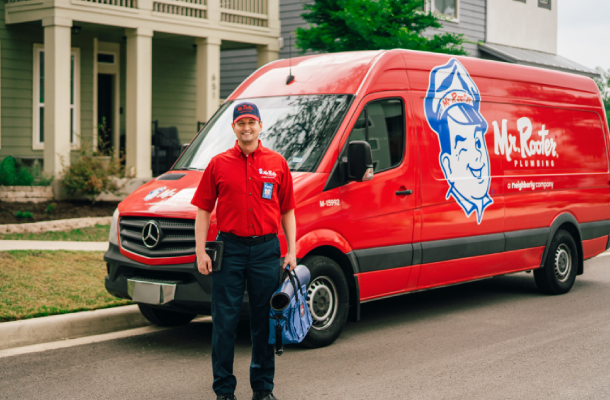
<point x="251" y="216"/>
<point x="248" y="197"/>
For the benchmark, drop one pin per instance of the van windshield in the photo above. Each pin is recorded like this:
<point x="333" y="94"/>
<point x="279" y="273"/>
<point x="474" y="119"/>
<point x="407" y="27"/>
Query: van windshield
<point x="297" y="127"/>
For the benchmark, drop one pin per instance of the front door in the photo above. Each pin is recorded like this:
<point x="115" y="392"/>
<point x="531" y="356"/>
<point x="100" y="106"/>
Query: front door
<point x="377" y="215"/>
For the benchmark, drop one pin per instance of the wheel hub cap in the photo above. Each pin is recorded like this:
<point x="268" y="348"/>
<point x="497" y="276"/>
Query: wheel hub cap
<point x="322" y="302"/>
<point x="563" y="262"/>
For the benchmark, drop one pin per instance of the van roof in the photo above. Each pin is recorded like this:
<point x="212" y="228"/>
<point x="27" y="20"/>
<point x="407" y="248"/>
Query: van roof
<point x="344" y="73"/>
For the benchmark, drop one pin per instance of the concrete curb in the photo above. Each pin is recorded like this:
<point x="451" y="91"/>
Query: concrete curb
<point x="57" y="225"/>
<point x="69" y="326"/>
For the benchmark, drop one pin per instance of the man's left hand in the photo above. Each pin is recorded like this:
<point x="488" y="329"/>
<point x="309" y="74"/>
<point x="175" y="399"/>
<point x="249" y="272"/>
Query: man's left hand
<point x="291" y="260"/>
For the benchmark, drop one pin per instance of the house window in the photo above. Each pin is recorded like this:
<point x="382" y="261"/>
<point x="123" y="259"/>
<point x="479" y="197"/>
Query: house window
<point x="39" y="97"/>
<point x="544" y="4"/>
<point x="446" y="8"/>
<point x="105" y="58"/>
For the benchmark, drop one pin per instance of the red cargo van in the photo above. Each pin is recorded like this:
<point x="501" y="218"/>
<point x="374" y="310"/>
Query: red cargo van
<point x="411" y="171"/>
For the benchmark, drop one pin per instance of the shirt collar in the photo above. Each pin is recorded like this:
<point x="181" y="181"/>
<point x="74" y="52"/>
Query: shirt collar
<point x="256" y="153"/>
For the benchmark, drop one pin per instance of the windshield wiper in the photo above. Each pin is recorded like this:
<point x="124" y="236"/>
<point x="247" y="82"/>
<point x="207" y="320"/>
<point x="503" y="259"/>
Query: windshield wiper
<point x="190" y="169"/>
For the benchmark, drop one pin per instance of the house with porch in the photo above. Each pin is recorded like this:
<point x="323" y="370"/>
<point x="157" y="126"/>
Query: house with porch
<point x="68" y="65"/>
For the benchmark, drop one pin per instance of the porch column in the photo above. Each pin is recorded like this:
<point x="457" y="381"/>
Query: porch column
<point x="56" y="94"/>
<point x="208" y="77"/>
<point x="267" y="53"/>
<point x="138" y="106"/>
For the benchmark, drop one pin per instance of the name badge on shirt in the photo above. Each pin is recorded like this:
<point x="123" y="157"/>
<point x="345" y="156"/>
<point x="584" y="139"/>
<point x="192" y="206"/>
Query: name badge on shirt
<point x="267" y="190"/>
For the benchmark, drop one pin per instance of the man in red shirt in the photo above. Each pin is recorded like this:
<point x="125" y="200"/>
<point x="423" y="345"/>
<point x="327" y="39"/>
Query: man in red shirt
<point x="253" y="186"/>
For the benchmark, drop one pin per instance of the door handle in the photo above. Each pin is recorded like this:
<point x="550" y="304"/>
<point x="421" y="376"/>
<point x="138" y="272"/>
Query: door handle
<point x="408" y="191"/>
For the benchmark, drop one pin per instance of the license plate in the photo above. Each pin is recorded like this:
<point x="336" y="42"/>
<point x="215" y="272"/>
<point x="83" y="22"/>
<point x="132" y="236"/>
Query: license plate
<point x="150" y="292"/>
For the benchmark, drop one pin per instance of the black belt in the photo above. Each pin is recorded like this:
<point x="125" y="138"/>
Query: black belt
<point x="249" y="240"/>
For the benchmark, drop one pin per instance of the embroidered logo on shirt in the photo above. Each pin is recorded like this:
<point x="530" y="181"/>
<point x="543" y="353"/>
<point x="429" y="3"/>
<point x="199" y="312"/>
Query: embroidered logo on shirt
<point x="267" y="174"/>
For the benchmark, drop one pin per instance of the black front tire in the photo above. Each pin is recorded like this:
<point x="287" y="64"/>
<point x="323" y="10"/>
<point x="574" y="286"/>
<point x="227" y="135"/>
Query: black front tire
<point x="560" y="267"/>
<point x="328" y="301"/>
<point x="165" y="317"/>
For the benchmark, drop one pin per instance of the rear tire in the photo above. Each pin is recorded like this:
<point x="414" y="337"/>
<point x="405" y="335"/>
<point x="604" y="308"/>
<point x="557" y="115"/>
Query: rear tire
<point x="560" y="267"/>
<point x="328" y="301"/>
<point x="165" y="317"/>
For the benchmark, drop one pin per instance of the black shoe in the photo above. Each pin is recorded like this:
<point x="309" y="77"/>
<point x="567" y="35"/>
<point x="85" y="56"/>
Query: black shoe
<point x="226" y="396"/>
<point x="263" y="395"/>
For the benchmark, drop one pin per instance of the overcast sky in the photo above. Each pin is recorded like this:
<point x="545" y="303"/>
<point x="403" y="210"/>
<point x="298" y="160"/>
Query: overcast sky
<point x="584" y="32"/>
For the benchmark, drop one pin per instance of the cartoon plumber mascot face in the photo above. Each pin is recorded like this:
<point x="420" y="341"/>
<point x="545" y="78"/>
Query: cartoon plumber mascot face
<point x="452" y="109"/>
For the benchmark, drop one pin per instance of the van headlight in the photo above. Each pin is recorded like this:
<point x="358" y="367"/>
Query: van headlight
<point x="113" y="237"/>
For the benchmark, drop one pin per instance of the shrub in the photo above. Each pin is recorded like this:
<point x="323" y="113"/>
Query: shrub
<point x="92" y="175"/>
<point x="24" y="214"/>
<point x="50" y="208"/>
<point x="12" y="174"/>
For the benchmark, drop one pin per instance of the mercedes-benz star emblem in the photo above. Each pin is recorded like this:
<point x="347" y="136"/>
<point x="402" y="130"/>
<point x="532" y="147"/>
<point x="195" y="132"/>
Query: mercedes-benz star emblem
<point x="151" y="234"/>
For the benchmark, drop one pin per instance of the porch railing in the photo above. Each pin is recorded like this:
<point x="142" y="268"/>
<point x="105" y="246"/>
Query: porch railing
<point x="185" y="8"/>
<point x="118" y="3"/>
<point x="245" y="12"/>
<point x="242" y="12"/>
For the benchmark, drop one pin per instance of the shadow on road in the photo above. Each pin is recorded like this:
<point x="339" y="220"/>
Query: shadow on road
<point x="388" y="313"/>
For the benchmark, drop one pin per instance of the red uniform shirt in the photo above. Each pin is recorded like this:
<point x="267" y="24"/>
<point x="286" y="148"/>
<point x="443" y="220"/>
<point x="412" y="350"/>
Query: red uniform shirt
<point x="238" y="182"/>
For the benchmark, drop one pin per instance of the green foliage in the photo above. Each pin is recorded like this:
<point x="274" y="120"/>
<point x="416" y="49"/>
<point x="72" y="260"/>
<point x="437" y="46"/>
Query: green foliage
<point x="347" y="25"/>
<point x="50" y="208"/>
<point x="92" y="175"/>
<point x="11" y="174"/>
<point x="104" y="142"/>
<point x="24" y="214"/>
<point x="603" y="84"/>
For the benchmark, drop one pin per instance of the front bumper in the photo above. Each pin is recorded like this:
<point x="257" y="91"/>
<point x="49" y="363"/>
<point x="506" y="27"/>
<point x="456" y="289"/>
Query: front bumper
<point x="193" y="292"/>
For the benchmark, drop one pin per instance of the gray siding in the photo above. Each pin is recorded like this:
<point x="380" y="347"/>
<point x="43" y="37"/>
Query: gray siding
<point x="237" y="65"/>
<point x="290" y="15"/>
<point x="17" y="87"/>
<point x="174" y="65"/>
<point x="472" y="15"/>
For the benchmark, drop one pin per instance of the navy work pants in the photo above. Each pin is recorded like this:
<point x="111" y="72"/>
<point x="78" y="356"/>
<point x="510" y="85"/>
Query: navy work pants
<point x="257" y="265"/>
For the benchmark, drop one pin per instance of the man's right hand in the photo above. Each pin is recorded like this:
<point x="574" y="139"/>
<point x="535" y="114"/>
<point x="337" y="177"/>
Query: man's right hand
<point x="204" y="263"/>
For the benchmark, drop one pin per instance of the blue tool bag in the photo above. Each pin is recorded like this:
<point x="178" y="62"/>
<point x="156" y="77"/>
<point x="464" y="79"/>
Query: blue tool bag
<point x="289" y="316"/>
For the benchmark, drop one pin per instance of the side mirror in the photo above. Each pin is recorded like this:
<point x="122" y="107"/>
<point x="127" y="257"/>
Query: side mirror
<point x="359" y="161"/>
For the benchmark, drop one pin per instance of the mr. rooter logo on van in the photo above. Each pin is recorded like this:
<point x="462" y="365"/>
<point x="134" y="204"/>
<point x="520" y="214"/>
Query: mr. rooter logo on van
<point x="452" y="107"/>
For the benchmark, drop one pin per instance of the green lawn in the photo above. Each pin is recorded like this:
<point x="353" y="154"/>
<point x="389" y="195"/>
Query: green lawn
<point x="36" y="283"/>
<point x="97" y="233"/>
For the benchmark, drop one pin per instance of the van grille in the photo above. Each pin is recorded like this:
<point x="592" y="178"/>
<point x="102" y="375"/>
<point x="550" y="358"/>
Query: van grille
<point x="176" y="237"/>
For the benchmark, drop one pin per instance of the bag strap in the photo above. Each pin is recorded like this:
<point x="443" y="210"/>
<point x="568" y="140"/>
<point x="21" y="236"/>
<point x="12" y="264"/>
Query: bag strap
<point x="296" y="290"/>
<point x="279" y="346"/>
<point x="292" y="276"/>
<point x="299" y="283"/>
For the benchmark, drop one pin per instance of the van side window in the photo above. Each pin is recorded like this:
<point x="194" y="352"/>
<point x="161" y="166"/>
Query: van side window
<point x="381" y="124"/>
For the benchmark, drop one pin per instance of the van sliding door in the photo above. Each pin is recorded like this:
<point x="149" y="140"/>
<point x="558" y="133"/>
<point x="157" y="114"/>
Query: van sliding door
<point x="377" y="215"/>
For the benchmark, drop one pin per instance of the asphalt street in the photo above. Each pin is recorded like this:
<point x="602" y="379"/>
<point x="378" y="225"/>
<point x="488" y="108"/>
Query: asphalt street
<point x="492" y="339"/>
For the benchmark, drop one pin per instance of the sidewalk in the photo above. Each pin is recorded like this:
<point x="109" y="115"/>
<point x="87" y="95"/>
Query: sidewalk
<point x="51" y="245"/>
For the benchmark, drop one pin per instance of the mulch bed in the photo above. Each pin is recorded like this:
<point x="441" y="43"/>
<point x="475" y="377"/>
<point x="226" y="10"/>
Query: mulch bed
<point x="63" y="210"/>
